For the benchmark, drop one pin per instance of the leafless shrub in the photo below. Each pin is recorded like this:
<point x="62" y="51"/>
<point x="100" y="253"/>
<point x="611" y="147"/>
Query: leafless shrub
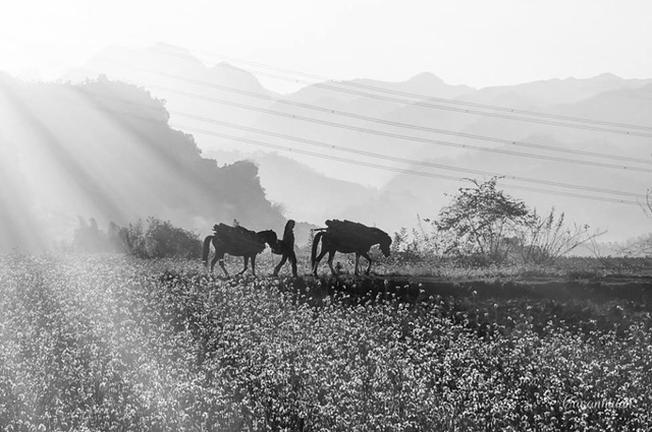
<point x="642" y="246"/>
<point x="546" y="238"/>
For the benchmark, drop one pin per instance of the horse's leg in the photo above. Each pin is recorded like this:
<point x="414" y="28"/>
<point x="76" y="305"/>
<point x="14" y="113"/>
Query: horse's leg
<point x="366" y="255"/>
<point x="246" y="263"/>
<point x="319" y="257"/>
<point x="280" y="264"/>
<point x="226" y="273"/>
<point x="253" y="265"/>
<point x="331" y="255"/>
<point x="219" y="256"/>
<point x="214" y="260"/>
<point x="357" y="261"/>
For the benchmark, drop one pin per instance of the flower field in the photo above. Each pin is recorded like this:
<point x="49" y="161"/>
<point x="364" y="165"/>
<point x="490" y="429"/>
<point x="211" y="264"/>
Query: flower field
<point x="120" y="344"/>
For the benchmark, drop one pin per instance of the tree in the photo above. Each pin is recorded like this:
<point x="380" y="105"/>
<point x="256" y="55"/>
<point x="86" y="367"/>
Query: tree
<point x="482" y="221"/>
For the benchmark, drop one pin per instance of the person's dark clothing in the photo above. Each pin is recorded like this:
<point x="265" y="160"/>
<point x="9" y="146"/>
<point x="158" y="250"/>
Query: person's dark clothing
<point x="285" y="247"/>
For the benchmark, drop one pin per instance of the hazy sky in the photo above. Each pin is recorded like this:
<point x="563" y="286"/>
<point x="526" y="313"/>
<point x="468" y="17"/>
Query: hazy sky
<point x="475" y="42"/>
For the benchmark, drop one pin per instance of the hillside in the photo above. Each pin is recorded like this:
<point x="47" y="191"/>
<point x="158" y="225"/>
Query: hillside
<point x="304" y="193"/>
<point x="105" y="149"/>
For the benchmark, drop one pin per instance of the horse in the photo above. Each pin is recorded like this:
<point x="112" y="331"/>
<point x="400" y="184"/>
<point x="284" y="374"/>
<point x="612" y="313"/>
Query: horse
<point x="236" y="241"/>
<point x="347" y="237"/>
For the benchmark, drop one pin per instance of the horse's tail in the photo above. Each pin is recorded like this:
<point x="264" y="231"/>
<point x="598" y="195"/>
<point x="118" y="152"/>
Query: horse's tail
<point x="315" y="245"/>
<point x="207" y="248"/>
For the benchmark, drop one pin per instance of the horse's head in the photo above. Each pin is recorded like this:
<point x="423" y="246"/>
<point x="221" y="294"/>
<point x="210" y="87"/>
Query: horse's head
<point x="384" y="244"/>
<point x="268" y="237"/>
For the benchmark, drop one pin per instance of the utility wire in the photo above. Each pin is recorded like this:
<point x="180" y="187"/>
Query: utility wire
<point x="376" y="155"/>
<point x="402" y="136"/>
<point x="371" y="154"/>
<point x="403" y="160"/>
<point x="394" y="169"/>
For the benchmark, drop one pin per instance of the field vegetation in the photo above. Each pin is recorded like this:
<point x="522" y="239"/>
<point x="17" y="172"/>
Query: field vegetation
<point x="121" y="343"/>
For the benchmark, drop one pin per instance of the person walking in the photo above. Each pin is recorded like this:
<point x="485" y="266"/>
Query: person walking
<point x="285" y="247"/>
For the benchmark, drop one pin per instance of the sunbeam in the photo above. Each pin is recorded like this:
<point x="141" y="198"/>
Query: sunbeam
<point x="92" y="191"/>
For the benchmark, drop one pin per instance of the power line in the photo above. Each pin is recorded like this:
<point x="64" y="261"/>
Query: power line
<point x="380" y="156"/>
<point x="450" y="101"/>
<point x="375" y="154"/>
<point x="402" y="136"/>
<point x="405" y="160"/>
<point x="394" y="169"/>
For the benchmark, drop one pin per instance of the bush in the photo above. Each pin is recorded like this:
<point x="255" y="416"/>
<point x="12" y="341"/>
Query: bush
<point x="642" y="246"/>
<point x="482" y="222"/>
<point x="160" y="239"/>
<point x="483" y="225"/>
<point x="639" y="247"/>
<point x="414" y="245"/>
<point x="544" y="239"/>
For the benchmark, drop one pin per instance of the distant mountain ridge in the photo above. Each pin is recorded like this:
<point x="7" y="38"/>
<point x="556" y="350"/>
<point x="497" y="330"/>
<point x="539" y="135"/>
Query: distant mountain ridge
<point x="556" y="91"/>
